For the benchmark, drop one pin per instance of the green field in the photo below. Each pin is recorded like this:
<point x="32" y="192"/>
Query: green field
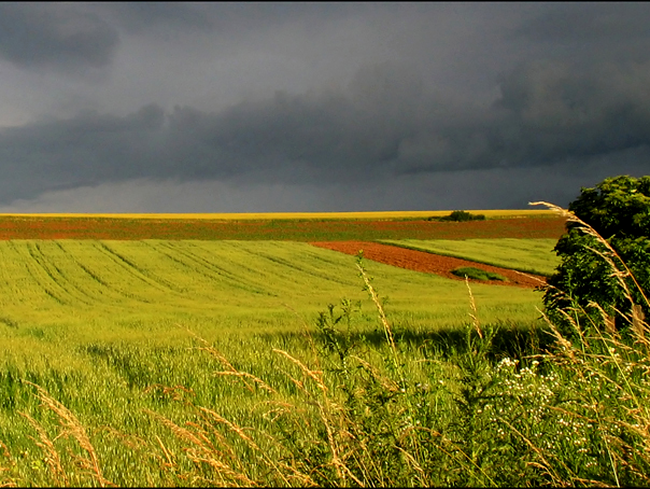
<point x="97" y="323"/>
<point x="108" y="289"/>
<point x="265" y="362"/>
<point x="525" y="255"/>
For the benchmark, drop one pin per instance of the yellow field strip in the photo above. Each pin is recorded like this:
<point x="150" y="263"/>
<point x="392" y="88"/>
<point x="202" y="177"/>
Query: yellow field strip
<point x="239" y="216"/>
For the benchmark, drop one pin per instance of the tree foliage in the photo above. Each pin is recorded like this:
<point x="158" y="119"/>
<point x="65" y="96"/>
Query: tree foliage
<point x="462" y="216"/>
<point x="618" y="209"/>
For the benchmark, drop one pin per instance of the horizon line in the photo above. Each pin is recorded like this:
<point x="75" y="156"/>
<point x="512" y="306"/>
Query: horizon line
<point x="279" y="215"/>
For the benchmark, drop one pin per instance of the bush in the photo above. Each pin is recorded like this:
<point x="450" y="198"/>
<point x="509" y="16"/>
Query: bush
<point x="462" y="216"/>
<point x="477" y="274"/>
<point x="609" y="228"/>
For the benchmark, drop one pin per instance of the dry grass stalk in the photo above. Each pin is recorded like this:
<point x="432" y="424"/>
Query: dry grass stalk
<point x="623" y="356"/>
<point x="382" y="315"/>
<point x="247" y="375"/>
<point x="233" y="427"/>
<point x="231" y="370"/>
<point x="133" y="442"/>
<point x="388" y="384"/>
<point x="223" y="458"/>
<point x="174" y="391"/>
<point x="199" y="456"/>
<point x="474" y="313"/>
<point x="639" y="326"/>
<point x="202" y="451"/>
<point x="9" y="482"/>
<point x="325" y="411"/>
<point x="169" y="456"/>
<point x="281" y="409"/>
<point x="413" y="463"/>
<point x="72" y="427"/>
<point x="52" y="458"/>
<point x="546" y="465"/>
<point x="180" y="432"/>
<point x="610" y="323"/>
<point x="342" y="469"/>
<point x="566" y="345"/>
<point x="315" y="375"/>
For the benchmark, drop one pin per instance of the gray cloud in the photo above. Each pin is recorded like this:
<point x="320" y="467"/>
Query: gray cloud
<point x="599" y="22"/>
<point x="63" y="37"/>
<point x="383" y="125"/>
<point x="468" y="189"/>
<point x="139" y="16"/>
<point x="549" y="112"/>
<point x="294" y="97"/>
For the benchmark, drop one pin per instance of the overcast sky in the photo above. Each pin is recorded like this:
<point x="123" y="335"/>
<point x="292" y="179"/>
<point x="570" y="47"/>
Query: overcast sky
<point x="247" y="107"/>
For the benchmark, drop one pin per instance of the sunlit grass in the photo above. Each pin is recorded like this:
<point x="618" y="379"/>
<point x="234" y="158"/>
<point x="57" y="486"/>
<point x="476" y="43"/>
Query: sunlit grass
<point x="526" y="255"/>
<point x="191" y="363"/>
<point x="133" y="289"/>
<point x="337" y="404"/>
<point x="102" y="326"/>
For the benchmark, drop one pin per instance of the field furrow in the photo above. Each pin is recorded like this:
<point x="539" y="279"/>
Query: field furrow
<point x="117" y="251"/>
<point x="217" y="268"/>
<point x="65" y="272"/>
<point x="296" y="268"/>
<point x="42" y="278"/>
<point x="105" y="288"/>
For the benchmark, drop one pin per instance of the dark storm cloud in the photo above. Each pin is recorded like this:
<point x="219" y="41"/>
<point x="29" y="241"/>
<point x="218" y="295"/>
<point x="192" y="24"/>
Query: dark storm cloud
<point x="60" y="36"/>
<point x="382" y="126"/>
<point x="138" y="16"/>
<point x="237" y="19"/>
<point x="309" y="95"/>
<point x="553" y="112"/>
<point x="597" y="22"/>
<point x="547" y="112"/>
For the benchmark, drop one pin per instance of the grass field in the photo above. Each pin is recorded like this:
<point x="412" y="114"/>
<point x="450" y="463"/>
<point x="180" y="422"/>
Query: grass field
<point x="526" y="255"/>
<point x="171" y="361"/>
<point x="231" y="285"/>
<point x="99" y="324"/>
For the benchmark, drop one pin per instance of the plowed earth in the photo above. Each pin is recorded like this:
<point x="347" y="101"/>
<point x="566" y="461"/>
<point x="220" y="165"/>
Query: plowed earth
<point x="421" y="261"/>
<point x="28" y="227"/>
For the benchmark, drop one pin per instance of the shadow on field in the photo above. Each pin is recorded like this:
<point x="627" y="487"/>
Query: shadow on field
<point x="514" y="342"/>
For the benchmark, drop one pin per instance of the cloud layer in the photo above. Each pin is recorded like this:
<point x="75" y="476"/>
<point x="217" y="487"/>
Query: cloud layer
<point x="562" y="99"/>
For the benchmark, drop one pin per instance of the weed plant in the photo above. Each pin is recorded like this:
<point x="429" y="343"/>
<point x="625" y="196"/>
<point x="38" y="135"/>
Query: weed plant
<point x="477" y="409"/>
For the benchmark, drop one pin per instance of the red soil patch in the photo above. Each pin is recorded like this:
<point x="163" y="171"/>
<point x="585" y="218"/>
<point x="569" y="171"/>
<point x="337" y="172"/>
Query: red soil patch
<point x="421" y="261"/>
<point x="45" y="227"/>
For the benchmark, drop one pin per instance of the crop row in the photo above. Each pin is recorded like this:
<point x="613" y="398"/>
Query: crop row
<point x="99" y="286"/>
<point x="102" y="326"/>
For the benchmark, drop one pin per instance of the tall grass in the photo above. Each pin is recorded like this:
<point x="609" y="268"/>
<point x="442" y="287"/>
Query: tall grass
<point x="484" y="405"/>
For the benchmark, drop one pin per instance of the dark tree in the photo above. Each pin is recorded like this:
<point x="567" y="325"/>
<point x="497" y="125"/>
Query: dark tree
<point x="618" y="209"/>
<point x="462" y="216"/>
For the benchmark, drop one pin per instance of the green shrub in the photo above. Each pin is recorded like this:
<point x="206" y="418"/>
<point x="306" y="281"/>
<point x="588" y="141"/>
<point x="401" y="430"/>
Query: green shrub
<point x="461" y="216"/>
<point x="477" y="274"/>
<point x="608" y="225"/>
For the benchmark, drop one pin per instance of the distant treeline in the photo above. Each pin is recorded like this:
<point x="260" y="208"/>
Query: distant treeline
<point x="459" y="216"/>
